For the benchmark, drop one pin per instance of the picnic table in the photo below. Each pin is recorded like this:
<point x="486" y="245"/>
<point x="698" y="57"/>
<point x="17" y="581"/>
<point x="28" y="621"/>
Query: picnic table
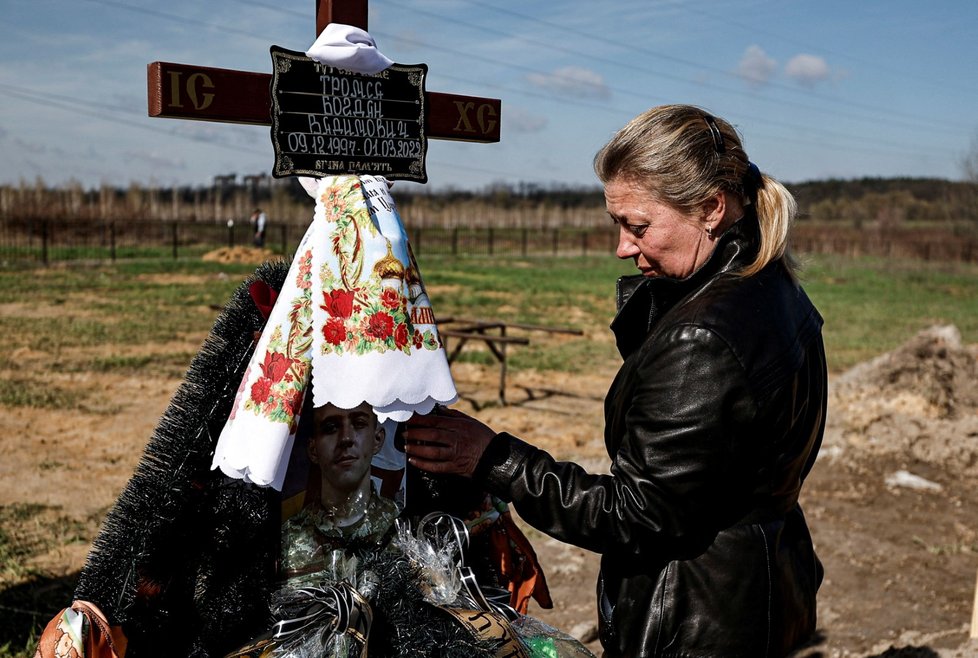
<point x="494" y="334"/>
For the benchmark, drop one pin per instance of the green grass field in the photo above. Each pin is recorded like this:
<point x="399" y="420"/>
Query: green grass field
<point x="869" y="305"/>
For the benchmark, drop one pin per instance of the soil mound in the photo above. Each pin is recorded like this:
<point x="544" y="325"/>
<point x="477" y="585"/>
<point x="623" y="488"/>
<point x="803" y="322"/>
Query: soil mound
<point x="239" y="255"/>
<point x="919" y="401"/>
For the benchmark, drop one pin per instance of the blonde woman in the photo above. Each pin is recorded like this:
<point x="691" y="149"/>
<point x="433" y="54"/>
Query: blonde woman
<point x="712" y="423"/>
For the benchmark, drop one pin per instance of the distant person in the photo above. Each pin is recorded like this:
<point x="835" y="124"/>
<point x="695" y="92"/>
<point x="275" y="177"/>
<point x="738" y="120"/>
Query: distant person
<point x="259" y="222"/>
<point x="712" y="423"/>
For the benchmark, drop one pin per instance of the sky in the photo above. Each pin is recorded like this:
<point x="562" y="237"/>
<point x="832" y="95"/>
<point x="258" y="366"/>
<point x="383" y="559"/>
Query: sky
<point x="828" y="89"/>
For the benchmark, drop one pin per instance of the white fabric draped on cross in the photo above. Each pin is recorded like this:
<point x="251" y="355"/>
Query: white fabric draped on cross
<point x="353" y="318"/>
<point x="350" y="48"/>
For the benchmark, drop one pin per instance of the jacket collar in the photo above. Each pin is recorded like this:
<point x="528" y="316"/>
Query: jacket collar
<point x="642" y="300"/>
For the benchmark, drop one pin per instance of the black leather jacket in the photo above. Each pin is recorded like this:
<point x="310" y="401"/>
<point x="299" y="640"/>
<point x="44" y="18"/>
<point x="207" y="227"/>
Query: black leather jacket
<point x="712" y="424"/>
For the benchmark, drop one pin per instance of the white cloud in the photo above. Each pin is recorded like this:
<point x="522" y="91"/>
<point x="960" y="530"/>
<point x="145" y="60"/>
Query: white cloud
<point x="807" y="69"/>
<point x="572" y="81"/>
<point x="755" y="66"/>
<point x="521" y="121"/>
<point x="153" y="160"/>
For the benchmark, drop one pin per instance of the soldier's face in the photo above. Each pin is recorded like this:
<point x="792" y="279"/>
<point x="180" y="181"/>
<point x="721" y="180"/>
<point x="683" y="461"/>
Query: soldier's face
<point x="344" y="442"/>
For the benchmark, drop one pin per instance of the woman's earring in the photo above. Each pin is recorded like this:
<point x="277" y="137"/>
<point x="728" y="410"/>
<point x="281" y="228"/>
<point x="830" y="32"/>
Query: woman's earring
<point x="709" y="232"/>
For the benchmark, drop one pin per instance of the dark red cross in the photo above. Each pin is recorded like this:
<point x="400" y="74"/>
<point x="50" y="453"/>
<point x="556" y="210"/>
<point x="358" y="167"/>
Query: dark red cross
<point x="184" y="91"/>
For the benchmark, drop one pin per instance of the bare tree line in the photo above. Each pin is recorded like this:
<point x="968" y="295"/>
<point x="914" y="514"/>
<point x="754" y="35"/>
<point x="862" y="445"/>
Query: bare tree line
<point x="282" y="200"/>
<point x="864" y="203"/>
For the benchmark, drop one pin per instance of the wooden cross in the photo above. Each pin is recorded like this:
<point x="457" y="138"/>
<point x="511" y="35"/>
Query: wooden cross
<point x="184" y="91"/>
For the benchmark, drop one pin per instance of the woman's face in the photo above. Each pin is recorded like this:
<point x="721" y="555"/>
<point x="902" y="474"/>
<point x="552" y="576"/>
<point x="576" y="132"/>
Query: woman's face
<point x="660" y="239"/>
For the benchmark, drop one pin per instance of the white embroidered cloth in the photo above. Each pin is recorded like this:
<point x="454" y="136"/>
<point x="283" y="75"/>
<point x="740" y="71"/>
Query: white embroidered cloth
<point x="353" y="316"/>
<point x="378" y="342"/>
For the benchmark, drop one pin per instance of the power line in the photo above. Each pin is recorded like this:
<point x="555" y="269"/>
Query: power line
<point x="180" y="19"/>
<point x="754" y="29"/>
<point x="848" y="138"/>
<point x="605" y="108"/>
<point x="283" y="10"/>
<point x="816" y="131"/>
<point x="256" y="3"/>
<point x="97" y="110"/>
<point x="672" y="58"/>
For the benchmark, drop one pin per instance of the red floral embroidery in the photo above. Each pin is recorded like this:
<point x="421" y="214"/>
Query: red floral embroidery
<point x="275" y="366"/>
<point x="338" y="303"/>
<point x="390" y="298"/>
<point x="418" y="340"/>
<point x="401" y="336"/>
<point x="294" y="401"/>
<point x="334" y="331"/>
<point x="260" y="389"/>
<point x="380" y="326"/>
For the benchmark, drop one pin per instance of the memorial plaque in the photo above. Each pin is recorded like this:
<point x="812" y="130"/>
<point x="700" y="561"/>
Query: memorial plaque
<point x="327" y="120"/>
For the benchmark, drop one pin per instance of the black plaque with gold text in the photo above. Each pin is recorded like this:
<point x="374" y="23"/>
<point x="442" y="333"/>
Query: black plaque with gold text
<point x="327" y="120"/>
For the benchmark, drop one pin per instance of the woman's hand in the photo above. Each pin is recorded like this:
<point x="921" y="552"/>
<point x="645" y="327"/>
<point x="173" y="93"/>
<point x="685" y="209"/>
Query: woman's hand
<point x="446" y="441"/>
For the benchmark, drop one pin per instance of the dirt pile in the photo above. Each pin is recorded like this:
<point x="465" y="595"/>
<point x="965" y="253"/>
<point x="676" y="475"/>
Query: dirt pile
<point x="919" y="402"/>
<point x="891" y="504"/>
<point x="239" y="255"/>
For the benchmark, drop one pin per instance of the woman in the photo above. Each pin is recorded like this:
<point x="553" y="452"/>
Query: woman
<point x="712" y="422"/>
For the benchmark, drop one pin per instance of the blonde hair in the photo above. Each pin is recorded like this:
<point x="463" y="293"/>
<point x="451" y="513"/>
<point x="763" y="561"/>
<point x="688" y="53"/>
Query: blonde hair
<point x="684" y="156"/>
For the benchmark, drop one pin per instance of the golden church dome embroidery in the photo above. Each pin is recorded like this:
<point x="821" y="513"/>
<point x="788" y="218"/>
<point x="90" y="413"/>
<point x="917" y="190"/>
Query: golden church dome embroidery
<point x="389" y="267"/>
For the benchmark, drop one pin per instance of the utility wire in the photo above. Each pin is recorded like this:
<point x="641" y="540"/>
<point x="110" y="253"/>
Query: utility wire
<point x="934" y="152"/>
<point x="754" y="29"/>
<point x="605" y="108"/>
<point x="630" y="92"/>
<point x="224" y="28"/>
<point x="932" y="125"/>
<point x="97" y="110"/>
<point x="181" y="19"/>
<point x="618" y="111"/>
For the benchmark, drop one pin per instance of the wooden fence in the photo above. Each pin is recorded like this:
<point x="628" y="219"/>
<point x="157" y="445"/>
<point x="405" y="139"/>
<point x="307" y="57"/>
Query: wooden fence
<point x="48" y="241"/>
<point x="944" y="248"/>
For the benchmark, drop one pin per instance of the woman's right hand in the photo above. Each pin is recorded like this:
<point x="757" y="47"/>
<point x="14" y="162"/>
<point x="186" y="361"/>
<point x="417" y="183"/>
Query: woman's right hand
<point x="446" y="441"/>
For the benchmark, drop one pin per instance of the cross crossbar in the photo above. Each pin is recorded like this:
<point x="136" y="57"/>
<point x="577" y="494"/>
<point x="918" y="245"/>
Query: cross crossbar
<point x="185" y="91"/>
